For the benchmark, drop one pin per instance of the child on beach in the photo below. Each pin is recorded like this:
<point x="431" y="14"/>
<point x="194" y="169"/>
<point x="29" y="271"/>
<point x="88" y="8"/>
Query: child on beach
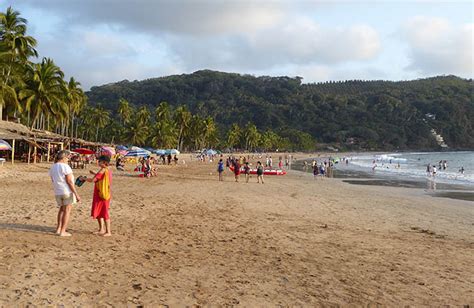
<point x="259" y="172"/>
<point x="102" y="196"/>
<point x="220" y="169"/>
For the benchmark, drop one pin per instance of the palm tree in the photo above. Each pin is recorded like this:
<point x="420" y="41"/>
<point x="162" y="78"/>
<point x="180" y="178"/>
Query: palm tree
<point x="270" y="140"/>
<point x="44" y="92"/>
<point x="182" y="120"/>
<point x="164" y="132"/>
<point x="85" y="123"/>
<point x="101" y="118"/>
<point x="251" y="136"/>
<point x="234" y="135"/>
<point x="164" y="135"/>
<point x="136" y="133"/>
<point x="125" y="110"/>
<point x="163" y="112"/>
<point x="76" y="100"/>
<point x="15" y="49"/>
<point x="196" y="136"/>
<point x="143" y="116"/>
<point x="209" y="132"/>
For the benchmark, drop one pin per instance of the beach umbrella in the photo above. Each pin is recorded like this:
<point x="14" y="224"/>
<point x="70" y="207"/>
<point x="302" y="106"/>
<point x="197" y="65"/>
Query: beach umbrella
<point x="83" y="151"/>
<point x="121" y="148"/>
<point x="174" y="152"/>
<point x="122" y="152"/>
<point x="137" y="153"/>
<point x="134" y="148"/>
<point x="211" y="152"/>
<point x="4" y="146"/>
<point x="107" y="151"/>
<point x="168" y="151"/>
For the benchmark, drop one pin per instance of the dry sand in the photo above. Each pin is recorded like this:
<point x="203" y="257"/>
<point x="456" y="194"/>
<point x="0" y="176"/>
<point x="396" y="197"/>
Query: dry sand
<point x="183" y="238"/>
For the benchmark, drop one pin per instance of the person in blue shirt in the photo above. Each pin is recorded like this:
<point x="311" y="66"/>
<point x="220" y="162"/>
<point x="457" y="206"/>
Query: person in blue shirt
<point x="220" y="170"/>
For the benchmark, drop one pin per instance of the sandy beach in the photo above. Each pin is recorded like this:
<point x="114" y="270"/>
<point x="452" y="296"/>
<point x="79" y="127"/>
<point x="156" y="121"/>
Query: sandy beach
<point x="183" y="238"/>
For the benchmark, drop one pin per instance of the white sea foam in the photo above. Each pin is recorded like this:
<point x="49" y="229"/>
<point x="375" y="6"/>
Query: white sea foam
<point x="413" y="165"/>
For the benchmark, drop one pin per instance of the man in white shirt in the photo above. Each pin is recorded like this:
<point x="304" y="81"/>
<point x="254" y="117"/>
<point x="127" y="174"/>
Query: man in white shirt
<point x="64" y="190"/>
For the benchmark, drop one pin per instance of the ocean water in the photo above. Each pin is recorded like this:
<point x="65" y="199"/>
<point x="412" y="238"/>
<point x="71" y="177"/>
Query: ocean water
<point x="414" y="165"/>
<point x="404" y="166"/>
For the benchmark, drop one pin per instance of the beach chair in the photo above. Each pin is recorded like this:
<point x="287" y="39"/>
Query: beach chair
<point x="2" y="161"/>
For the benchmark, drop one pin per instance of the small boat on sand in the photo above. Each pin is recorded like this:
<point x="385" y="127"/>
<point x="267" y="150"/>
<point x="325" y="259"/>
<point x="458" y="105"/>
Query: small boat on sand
<point x="265" y="171"/>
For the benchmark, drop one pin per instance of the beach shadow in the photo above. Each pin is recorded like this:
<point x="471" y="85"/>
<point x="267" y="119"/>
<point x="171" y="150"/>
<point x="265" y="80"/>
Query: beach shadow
<point x="29" y="228"/>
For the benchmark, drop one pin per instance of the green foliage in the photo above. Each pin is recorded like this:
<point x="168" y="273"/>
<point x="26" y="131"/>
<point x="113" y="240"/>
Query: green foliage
<point x="351" y="114"/>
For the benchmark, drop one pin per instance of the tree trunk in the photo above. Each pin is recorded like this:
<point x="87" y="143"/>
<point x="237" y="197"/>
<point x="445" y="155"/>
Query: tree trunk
<point x="72" y="127"/>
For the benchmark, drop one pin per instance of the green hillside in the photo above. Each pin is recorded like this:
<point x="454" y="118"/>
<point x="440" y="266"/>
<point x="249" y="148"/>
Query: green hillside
<point x="352" y="114"/>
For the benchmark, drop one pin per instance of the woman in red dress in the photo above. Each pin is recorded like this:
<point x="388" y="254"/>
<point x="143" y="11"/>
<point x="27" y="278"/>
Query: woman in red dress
<point x="102" y="196"/>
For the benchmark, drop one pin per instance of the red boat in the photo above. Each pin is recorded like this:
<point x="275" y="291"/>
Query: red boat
<point x="265" y="171"/>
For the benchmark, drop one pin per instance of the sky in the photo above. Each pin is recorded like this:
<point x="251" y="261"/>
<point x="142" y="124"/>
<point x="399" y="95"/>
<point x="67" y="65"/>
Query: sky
<point x="104" y="41"/>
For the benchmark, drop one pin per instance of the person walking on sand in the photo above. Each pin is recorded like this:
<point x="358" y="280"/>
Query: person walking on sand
<point x="102" y="196"/>
<point x="220" y="169"/>
<point x="259" y="172"/>
<point x="64" y="190"/>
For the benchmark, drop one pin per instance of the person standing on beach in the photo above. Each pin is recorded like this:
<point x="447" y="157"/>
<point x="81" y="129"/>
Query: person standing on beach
<point x="236" y="170"/>
<point x="315" y="171"/>
<point x="259" y="172"/>
<point x="220" y="170"/>
<point x="102" y="196"/>
<point x="247" y="172"/>
<point x="64" y="190"/>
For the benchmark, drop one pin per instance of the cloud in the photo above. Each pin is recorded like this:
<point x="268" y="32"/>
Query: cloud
<point x="436" y="46"/>
<point x="297" y="41"/>
<point x="164" y="16"/>
<point x="104" y="45"/>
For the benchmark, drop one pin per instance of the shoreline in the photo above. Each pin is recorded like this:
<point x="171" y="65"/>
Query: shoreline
<point x="357" y="176"/>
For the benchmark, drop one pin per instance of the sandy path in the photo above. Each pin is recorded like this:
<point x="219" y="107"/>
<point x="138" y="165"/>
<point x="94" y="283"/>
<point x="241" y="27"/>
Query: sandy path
<point x="184" y="238"/>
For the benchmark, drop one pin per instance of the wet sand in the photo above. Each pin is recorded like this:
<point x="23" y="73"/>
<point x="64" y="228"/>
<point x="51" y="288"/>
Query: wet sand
<point x="185" y="238"/>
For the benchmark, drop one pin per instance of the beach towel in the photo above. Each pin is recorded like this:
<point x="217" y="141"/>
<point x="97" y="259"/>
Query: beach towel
<point x="103" y="186"/>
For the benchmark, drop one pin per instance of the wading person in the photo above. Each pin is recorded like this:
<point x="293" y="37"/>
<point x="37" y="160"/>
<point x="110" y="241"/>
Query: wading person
<point x="64" y="190"/>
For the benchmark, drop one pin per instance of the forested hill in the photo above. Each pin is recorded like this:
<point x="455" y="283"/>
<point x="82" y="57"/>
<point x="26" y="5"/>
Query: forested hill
<point x="352" y="114"/>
